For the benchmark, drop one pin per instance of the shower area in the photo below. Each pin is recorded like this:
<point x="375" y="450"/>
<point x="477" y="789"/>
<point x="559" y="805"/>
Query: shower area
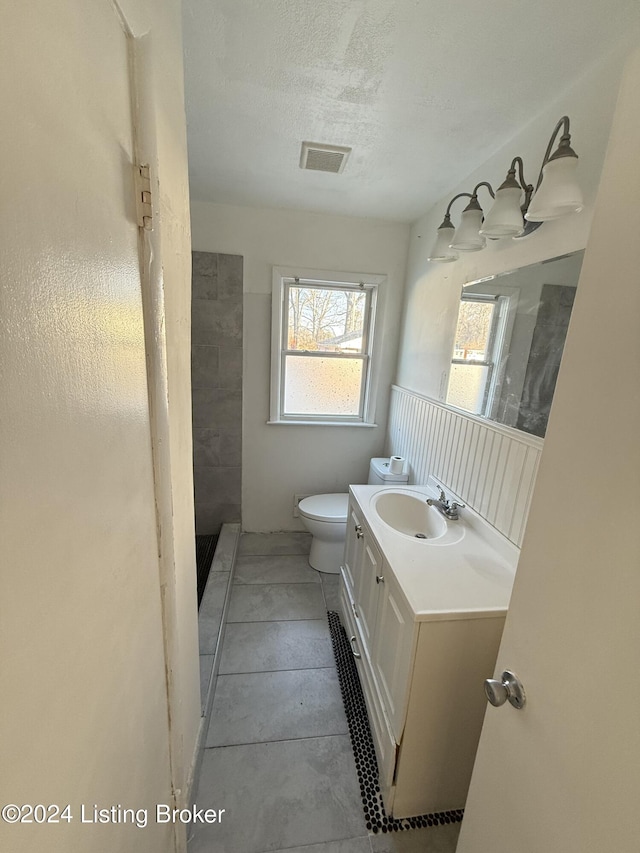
<point x="216" y="382"/>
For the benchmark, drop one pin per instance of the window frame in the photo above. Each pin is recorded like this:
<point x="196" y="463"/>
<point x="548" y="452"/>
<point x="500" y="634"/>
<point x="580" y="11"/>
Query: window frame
<point x="283" y="278"/>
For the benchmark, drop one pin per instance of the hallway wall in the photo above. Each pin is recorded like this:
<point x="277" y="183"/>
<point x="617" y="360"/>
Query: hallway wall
<point x="91" y="644"/>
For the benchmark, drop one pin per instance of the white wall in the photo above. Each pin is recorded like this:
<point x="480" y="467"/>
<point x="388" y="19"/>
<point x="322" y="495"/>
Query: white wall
<point x="85" y="668"/>
<point x="433" y="290"/>
<point x="280" y="461"/>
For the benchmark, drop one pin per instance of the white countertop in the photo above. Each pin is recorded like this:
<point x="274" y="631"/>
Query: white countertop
<point x="471" y="578"/>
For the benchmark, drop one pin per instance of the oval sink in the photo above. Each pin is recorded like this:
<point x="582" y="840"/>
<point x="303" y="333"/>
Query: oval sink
<point x="409" y="513"/>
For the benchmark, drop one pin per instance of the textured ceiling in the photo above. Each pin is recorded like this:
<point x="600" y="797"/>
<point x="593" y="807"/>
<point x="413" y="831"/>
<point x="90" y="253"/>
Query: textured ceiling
<point x="423" y="90"/>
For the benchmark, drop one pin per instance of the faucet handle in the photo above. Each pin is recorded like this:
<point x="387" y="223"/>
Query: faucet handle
<point x="442" y="497"/>
<point x="451" y="510"/>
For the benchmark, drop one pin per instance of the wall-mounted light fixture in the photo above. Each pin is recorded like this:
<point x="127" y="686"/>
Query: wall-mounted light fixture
<point x="556" y="193"/>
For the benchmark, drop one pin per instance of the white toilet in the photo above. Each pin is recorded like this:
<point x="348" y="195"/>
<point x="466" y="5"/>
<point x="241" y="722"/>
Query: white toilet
<point x="325" y="517"/>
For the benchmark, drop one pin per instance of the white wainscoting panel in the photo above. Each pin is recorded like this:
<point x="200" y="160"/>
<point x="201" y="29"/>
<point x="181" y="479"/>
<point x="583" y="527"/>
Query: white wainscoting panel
<point x="490" y="467"/>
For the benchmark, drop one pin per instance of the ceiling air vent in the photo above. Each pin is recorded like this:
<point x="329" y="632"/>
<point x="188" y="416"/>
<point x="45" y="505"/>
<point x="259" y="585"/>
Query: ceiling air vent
<point x="323" y="158"/>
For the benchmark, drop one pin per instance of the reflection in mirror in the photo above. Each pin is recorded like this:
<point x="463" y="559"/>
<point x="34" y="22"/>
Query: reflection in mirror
<point x="509" y="341"/>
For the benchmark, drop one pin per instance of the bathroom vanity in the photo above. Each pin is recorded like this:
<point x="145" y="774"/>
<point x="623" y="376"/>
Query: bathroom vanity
<point x="425" y="618"/>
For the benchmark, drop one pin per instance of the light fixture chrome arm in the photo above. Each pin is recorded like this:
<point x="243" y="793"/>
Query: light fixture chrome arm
<point x="455" y="198"/>
<point x="483" y="184"/>
<point x="472" y="196"/>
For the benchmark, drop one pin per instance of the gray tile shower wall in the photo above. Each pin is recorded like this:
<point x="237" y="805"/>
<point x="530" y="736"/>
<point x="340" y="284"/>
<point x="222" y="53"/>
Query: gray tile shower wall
<point x="216" y="382"/>
<point x="547" y="345"/>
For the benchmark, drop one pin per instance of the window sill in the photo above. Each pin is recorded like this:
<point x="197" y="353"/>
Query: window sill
<point x="322" y="423"/>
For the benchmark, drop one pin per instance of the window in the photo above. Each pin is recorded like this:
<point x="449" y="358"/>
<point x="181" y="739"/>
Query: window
<point x="477" y="363"/>
<point x="322" y="359"/>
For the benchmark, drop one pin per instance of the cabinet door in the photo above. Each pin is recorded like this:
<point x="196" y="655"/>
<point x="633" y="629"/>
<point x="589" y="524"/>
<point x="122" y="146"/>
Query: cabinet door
<point x="353" y="549"/>
<point x="383" y="740"/>
<point x="367" y="589"/>
<point x="393" y="650"/>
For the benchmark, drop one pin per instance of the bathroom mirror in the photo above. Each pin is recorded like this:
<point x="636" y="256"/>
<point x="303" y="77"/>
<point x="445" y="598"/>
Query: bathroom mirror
<point x="509" y="340"/>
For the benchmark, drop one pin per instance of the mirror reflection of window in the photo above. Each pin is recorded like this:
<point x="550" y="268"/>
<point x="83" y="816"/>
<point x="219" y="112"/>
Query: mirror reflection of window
<point x="481" y="341"/>
<point x="509" y="342"/>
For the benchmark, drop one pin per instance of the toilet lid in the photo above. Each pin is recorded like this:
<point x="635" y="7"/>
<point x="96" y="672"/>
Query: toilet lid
<point x="325" y="507"/>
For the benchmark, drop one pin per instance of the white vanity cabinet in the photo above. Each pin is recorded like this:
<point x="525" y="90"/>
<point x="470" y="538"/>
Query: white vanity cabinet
<point x="422" y="676"/>
<point x="385" y="623"/>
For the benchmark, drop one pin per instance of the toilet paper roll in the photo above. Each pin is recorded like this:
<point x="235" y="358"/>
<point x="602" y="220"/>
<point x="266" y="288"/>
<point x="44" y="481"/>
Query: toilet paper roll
<point x="396" y="464"/>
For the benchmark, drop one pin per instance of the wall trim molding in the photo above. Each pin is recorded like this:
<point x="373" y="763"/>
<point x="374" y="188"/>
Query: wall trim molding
<point x="511" y="432"/>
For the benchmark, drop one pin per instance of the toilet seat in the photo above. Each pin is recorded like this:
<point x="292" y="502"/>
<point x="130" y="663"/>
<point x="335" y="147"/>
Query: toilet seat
<point x="332" y="508"/>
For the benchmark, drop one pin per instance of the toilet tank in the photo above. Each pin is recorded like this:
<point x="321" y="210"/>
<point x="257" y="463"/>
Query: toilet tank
<point x="379" y="474"/>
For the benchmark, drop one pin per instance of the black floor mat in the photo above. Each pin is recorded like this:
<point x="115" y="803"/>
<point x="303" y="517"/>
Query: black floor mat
<point x="205" y="549"/>
<point x="362" y="743"/>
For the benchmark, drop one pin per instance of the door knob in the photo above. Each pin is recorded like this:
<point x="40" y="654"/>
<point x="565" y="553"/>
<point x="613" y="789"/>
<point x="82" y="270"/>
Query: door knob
<point x="510" y="688"/>
<point x="358" y="529"/>
<point x="353" y="648"/>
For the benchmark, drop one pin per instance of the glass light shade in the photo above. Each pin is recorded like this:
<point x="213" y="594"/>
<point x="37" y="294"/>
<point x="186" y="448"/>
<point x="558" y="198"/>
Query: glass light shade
<point x="559" y="192"/>
<point x="441" y="251"/>
<point x="467" y="237"/>
<point x="505" y="217"/>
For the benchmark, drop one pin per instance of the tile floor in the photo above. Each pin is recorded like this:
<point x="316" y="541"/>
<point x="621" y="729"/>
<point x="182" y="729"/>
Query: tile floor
<point x="278" y="756"/>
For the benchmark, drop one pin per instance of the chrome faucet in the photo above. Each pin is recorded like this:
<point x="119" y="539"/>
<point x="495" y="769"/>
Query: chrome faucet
<point x="448" y="508"/>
